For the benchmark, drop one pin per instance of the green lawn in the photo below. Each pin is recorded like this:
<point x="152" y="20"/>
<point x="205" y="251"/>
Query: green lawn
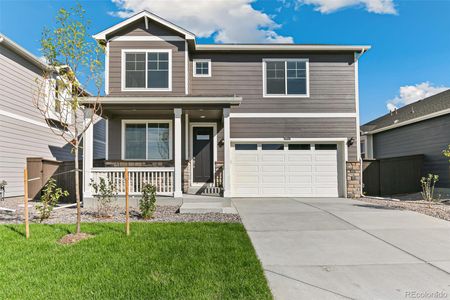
<point x="158" y="261"/>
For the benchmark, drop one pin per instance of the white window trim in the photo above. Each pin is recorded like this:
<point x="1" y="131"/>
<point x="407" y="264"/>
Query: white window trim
<point x="191" y="149"/>
<point x="139" y="121"/>
<point x="194" y="69"/>
<point x="265" y="95"/>
<point x="146" y="51"/>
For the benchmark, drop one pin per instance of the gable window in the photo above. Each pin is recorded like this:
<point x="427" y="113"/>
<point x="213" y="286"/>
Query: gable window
<point x="286" y="77"/>
<point x="147" y="140"/>
<point x="202" y="68"/>
<point x="144" y="70"/>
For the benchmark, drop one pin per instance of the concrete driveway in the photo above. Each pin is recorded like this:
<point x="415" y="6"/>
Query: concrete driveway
<point x="331" y="248"/>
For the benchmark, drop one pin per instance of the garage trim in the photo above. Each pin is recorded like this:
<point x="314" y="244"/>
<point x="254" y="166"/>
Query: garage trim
<point x="342" y="153"/>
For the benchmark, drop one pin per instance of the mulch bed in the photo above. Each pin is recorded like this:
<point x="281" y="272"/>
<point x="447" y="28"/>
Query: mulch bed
<point x="439" y="210"/>
<point x="73" y="238"/>
<point x="163" y="213"/>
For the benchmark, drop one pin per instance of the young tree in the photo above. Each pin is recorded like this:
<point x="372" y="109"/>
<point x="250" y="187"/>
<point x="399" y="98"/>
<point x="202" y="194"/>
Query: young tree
<point x="74" y="60"/>
<point x="446" y="152"/>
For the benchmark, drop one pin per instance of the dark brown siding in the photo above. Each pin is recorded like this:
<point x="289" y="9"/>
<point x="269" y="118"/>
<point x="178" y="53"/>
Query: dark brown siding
<point x="428" y="137"/>
<point x="178" y="65"/>
<point x="296" y="128"/>
<point x="332" y="82"/>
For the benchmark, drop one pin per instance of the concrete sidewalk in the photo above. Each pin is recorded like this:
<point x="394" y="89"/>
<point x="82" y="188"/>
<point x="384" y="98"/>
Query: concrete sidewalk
<point x="331" y="248"/>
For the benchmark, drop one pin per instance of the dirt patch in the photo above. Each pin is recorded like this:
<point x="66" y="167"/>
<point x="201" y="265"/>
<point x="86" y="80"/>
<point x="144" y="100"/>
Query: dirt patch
<point x="73" y="238"/>
<point x="439" y="210"/>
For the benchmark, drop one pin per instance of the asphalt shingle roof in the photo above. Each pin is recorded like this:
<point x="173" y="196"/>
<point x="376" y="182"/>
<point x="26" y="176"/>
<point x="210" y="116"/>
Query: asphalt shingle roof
<point x="414" y="110"/>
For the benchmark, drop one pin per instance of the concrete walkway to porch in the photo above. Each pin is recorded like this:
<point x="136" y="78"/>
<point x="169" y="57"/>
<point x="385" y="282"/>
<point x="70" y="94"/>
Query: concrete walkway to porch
<point x="332" y="248"/>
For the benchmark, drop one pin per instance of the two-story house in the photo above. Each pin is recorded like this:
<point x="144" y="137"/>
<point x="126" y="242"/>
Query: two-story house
<point x="252" y="120"/>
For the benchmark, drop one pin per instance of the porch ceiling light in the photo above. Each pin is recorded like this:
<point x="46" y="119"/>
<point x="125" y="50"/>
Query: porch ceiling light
<point x="202" y="117"/>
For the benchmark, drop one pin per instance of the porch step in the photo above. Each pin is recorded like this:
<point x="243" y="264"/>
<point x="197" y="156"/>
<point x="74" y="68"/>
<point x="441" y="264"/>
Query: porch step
<point x="194" y="204"/>
<point x="205" y="190"/>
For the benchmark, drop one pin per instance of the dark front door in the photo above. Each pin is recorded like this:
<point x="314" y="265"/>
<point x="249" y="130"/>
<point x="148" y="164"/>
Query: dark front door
<point x="203" y="154"/>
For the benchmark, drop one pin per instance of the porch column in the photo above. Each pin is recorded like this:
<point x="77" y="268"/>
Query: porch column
<point x="177" y="142"/>
<point x="88" y="154"/>
<point x="226" y="153"/>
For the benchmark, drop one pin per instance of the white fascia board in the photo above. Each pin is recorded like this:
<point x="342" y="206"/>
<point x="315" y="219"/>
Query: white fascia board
<point x="272" y="47"/>
<point x="293" y="115"/>
<point x="283" y="140"/>
<point x="412" y="121"/>
<point x="162" y="100"/>
<point x="144" y="14"/>
<point x="147" y="38"/>
<point x="23" y="52"/>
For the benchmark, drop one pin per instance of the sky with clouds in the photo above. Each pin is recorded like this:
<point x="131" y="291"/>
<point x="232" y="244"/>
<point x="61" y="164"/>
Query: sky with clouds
<point x="410" y="58"/>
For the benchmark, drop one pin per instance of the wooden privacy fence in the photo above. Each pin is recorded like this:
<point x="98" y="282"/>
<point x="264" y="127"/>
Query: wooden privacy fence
<point x="391" y="176"/>
<point x="62" y="171"/>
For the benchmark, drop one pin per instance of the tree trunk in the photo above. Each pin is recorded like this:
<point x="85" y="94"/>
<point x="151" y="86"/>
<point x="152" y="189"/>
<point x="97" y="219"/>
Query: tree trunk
<point x="77" y="189"/>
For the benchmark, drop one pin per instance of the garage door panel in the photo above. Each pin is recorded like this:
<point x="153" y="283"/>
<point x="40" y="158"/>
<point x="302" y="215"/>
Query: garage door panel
<point x="298" y="168"/>
<point x="272" y="168"/>
<point x="300" y="179"/>
<point x="272" y="157"/>
<point x="245" y="168"/>
<point x="247" y="157"/>
<point x="300" y="157"/>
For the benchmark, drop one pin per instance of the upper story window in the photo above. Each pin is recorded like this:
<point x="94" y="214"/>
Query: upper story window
<point x="202" y="68"/>
<point x="147" y="70"/>
<point x="286" y="77"/>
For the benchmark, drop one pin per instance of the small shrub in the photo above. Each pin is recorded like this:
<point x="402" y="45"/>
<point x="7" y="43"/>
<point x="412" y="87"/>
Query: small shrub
<point x="428" y="184"/>
<point x="147" y="204"/>
<point x="49" y="199"/>
<point x="105" y="193"/>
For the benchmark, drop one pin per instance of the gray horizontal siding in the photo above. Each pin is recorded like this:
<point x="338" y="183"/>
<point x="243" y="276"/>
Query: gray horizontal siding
<point x="178" y="67"/>
<point x="296" y="128"/>
<point x="428" y="137"/>
<point x="332" y="82"/>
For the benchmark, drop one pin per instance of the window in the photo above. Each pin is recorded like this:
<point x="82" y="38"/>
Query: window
<point x="147" y="140"/>
<point x="299" y="147"/>
<point x="272" y="147"/>
<point x="246" y="147"/>
<point x="285" y="77"/>
<point x="326" y="146"/>
<point x="147" y="70"/>
<point x="363" y="149"/>
<point x="202" y="68"/>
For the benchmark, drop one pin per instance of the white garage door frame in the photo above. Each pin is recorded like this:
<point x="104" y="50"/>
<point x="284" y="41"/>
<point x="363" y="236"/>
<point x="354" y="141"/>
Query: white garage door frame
<point x="342" y="154"/>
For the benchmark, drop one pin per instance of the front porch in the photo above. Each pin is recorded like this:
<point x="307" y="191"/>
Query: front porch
<point x="181" y="150"/>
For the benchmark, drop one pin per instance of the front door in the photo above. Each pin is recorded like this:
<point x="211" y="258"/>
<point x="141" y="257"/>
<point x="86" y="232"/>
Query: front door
<point x="202" y="154"/>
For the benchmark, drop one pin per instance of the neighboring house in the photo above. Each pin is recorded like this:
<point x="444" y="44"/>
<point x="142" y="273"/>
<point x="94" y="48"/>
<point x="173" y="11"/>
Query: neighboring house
<point x="422" y="127"/>
<point x="23" y="130"/>
<point x="250" y="120"/>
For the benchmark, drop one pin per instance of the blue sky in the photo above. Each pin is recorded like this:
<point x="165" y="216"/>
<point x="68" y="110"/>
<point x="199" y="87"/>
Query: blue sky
<point x="410" y="39"/>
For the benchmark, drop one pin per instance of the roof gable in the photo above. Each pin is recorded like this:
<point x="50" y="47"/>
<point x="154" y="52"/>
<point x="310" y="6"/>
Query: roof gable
<point x="146" y="16"/>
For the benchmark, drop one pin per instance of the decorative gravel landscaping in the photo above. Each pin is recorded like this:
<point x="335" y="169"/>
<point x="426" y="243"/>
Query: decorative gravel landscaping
<point x="157" y="261"/>
<point x="439" y="210"/>
<point x="68" y="215"/>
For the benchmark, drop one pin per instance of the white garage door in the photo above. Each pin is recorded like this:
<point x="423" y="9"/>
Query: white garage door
<point x="284" y="170"/>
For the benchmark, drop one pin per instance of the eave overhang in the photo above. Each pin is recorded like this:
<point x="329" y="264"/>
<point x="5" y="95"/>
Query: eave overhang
<point x="231" y="100"/>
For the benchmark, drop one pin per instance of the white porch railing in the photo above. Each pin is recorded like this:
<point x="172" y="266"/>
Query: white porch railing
<point x="161" y="178"/>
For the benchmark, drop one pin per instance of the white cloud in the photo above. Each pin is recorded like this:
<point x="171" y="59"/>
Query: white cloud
<point x="412" y="93"/>
<point x="228" y="21"/>
<point x="373" y="6"/>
